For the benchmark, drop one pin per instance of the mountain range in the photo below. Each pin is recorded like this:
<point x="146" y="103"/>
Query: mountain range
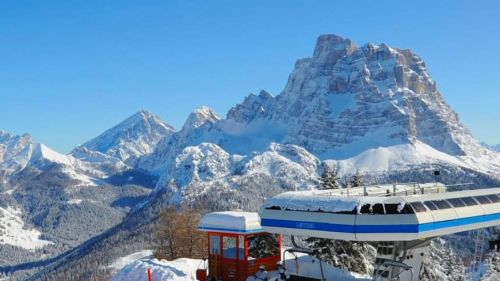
<point x="371" y="109"/>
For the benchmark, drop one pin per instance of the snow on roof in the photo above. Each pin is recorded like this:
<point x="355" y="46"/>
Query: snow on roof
<point x="231" y="222"/>
<point x="344" y="200"/>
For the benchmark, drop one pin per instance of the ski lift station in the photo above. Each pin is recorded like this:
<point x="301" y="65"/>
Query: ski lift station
<point x="398" y="220"/>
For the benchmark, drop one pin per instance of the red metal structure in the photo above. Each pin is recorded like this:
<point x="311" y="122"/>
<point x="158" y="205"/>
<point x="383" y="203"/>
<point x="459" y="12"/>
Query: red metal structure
<point x="237" y="246"/>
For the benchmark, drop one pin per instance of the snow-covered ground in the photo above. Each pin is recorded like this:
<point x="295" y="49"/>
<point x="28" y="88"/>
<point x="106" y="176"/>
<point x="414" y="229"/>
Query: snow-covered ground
<point x="179" y="270"/>
<point x="14" y="232"/>
<point x="124" y="261"/>
<point x="134" y="267"/>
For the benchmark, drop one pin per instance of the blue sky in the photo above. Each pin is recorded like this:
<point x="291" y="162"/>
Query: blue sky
<point x="72" y="69"/>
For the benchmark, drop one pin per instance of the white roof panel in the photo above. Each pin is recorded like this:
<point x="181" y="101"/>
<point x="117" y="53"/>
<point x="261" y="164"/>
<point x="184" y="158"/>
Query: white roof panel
<point x="231" y="222"/>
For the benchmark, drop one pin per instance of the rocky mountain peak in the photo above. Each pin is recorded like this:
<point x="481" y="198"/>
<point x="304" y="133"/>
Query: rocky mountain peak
<point x="346" y="99"/>
<point x="329" y="48"/>
<point x="200" y="116"/>
<point x="252" y="107"/>
<point x="132" y="138"/>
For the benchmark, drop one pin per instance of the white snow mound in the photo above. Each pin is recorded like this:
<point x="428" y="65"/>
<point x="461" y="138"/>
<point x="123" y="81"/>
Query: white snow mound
<point x="179" y="270"/>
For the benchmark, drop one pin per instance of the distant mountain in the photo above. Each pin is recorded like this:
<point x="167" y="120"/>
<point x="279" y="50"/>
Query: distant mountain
<point x="18" y="153"/>
<point x="132" y="138"/>
<point x="491" y="147"/>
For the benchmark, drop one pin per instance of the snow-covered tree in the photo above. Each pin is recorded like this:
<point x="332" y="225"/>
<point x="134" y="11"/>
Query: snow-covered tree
<point x="352" y="256"/>
<point x="329" y="179"/>
<point x="356" y="179"/>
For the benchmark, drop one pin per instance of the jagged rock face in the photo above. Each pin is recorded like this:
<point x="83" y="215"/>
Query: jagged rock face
<point x="346" y="99"/>
<point x="15" y="151"/>
<point x="200" y="126"/>
<point x="136" y="136"/>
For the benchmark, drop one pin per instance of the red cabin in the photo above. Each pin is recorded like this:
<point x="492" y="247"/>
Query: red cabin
<point x="237" y="245"/>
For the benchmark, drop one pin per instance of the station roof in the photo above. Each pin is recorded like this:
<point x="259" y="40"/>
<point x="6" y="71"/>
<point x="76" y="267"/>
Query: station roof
<point x="231" y="222"/>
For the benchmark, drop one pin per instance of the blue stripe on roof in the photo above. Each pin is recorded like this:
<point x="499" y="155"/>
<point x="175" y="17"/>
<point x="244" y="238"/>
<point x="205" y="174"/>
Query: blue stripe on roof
<point x="386" y="228"/>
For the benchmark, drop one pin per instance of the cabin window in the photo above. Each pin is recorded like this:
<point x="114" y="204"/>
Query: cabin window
<point x="407" y="209"/>
<point x="378" y="209"/>
<point x="392" y="209"/>
<point x="365" y="209"/>
<point x="396" y="209"/>
<point x="482" y="200"/>
<point x="441" y="204"/>
<point x="431" y="206"/>
<point x="469" y="201"/>
<point x="214" y="245"/>
<point x="493" y="198"/>
<point x="241" y="247"/>
<point x="375" y="209"/>
<point x="418" y="207"/>
<point x="263" y="246"/>
<point x="457" y="202"/>
<point x="229" y="247"/>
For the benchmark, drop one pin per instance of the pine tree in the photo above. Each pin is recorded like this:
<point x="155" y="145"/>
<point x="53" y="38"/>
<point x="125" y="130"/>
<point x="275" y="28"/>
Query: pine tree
<point x="329" y="178"/>
<point x="356" y="180"/>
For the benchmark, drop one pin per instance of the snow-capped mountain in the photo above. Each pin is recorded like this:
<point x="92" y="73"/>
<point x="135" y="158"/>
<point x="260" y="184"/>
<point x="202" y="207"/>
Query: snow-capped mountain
<point x="132" y="138"/>
<point x="346" y="99"/>
<point x="371" y="108"/>
<point x="18" y="153"/>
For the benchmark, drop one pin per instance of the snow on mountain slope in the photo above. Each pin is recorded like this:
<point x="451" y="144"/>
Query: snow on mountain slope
<point x="198" y="169"/>
<point x="18" y="153"/>
<point x="15" y="152"/>
<point x="398" y="157"/>
<point x="347" y="99"/>
<point x="372" y="108"/>
<point x="342" y="101"/>
<point x="14" y="232"/>
<point x="495" y="148"/>
<point x="132" y="138"/>
<point x="200" y="126"/>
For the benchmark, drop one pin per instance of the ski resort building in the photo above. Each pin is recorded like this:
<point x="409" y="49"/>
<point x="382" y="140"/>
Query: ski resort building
<point x="399" y="220"/>
<point x="238" y="246"/>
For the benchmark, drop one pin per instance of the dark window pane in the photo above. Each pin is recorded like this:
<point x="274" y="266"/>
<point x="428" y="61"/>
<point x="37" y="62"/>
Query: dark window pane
<point x="441" y="204"/>
<point x="418" y="207"/>
<point x="407" y="210"/>
<point x="493" y="198"/>
<point x="378" y="209"/>
<point x="431" y="206"/>
<point x="469" y="201"/>
<point x="482" y="200"/>
<point x="365" y="209"/>
<point x="456" y="202"/>
<point x="391" y="209"/>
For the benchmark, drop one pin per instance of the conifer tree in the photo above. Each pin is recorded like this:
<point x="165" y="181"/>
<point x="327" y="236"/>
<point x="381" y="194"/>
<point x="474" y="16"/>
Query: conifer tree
<point x="329" y="178"/>
<point x="356" y="179"/>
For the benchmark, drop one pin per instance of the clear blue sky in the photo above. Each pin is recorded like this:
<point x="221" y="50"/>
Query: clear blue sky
<point x="72" y="69"/>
